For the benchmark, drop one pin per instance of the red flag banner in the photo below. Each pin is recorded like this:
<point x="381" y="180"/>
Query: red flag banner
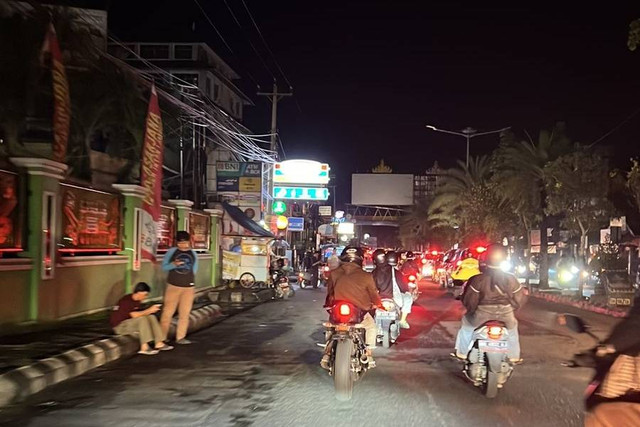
<point x="61" y="102"/>
<point x="151" y="178"/>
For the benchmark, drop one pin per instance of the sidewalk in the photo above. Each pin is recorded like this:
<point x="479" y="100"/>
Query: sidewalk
<point x="595" y="304"/>
<point x="33" y="357"/>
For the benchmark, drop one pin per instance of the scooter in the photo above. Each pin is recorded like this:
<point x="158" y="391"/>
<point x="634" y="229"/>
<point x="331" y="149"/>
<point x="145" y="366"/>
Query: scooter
<point x="487" y="364"/>
<point x="387" y="322"/>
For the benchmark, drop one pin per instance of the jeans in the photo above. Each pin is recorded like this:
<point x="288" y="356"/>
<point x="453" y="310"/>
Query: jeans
<point x="182" y="299"/>
<point x="403" y="300"/>
<point x="147" y="326"/>
<point x="483" y="314"/>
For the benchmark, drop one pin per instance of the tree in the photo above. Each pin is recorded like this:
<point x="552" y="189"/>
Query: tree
<point x="577" y="188"/>
<point x="634" y="35"/>
<point x="468" y="200"/>
<point x="416" y="229"/>
<point x="519" y="167"/>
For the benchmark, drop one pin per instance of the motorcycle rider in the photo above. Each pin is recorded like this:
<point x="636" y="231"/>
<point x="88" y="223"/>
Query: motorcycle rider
<point x="491" y="295"/>
<point x="391" y="284"/>
<point x="410" y="266"/>
<point x="351" y="283"/>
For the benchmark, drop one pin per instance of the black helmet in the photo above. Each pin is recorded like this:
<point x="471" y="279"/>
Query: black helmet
<point x="392" y="258"/>
<point x="379" y="256"/>
<point x="493" y="256"/>
<point x="410" y="255"/>
<point x="352" y="254"/>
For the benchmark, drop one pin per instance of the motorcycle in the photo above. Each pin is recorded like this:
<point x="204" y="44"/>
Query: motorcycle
<point x="283" y="289"/>
<point x="412" y="282"/>
<point x="487" y="364"/>
<point x="387" y="323"/>
<point x="348" y="360"/>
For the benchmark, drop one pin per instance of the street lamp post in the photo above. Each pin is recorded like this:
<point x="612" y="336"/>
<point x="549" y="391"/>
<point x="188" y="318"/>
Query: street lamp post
<point x="468" y="133"/>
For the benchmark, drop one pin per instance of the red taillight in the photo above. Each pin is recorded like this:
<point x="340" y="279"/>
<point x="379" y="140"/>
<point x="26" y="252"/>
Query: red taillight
<point x="344" y="310"/>
<point x="481" y="249"/>
<point x="412" y="278"/>
<point x="494" y="332"/>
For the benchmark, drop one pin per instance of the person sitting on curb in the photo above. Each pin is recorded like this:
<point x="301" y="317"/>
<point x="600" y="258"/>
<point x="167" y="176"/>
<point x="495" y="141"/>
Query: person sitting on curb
<point x="127" y="319"/>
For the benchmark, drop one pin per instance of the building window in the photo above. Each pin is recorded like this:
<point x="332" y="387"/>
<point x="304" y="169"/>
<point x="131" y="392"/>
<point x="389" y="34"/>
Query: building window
<point x="191" y="78"/>
<point x="208" y="88"/>
<point x="216" y="91"/>
<point x="154" y="51"/>
<point x="183" y="51"/>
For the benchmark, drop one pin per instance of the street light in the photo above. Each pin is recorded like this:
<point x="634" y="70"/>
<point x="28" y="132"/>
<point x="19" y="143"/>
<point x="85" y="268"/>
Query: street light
<point x="468" y="133"/>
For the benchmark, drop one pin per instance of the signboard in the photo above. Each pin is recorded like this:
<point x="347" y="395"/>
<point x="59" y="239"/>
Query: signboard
<point x="300" y="193"/>
<point x="382" y="189"/>
<point x="230" y="265"/>
<point x="9" y="215"/>
<point x="324" y="210"/>
<point x="296" y="224"/>
<point x="199" y="229"/>
<point x="243" y="177"/>
<point x="90" y="220"/>
<point x="166" y="228"/>
<point x="307" y="172"/>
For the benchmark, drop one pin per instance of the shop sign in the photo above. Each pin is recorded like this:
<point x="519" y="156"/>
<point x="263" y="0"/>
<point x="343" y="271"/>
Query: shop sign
<point x="166" y="228"/>
<point x="300" y="193"/>
<point x="90" y="220"/>
<point x="10" y="230"/>
<point x="307" y="172"/>
<point x="296" y="224"/>
<point x="245" y="177"/>
<point x="199" y="229"/>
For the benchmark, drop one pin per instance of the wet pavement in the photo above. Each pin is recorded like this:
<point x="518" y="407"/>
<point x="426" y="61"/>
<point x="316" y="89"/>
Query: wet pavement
<point x="260" y="368"/>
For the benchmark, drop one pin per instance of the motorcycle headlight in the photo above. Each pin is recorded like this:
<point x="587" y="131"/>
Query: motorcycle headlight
<point x="506" y="266"/>
<point x="566" y="276"/>
<point x="521" y="269"/>
<point x="574" y="269"/>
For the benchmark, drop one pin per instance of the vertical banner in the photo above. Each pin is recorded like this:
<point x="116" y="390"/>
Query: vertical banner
<point x="151" y="178"/>
<point x="61" y="102"/>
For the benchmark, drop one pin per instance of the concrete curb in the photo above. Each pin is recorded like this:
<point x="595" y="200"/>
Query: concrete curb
<point x="21" y="382"/>
<point x="583" y="305"/>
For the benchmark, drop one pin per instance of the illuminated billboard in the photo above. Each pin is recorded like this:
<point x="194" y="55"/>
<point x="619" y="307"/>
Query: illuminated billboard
<point x="382" y="189"/>
<point x="306" y="172"/>
<point x="300" y="193"/>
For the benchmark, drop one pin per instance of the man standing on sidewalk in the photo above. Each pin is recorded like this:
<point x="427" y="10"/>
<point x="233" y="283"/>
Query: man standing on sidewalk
<point x="182" y="264"/>
<point x="127" y="318"/>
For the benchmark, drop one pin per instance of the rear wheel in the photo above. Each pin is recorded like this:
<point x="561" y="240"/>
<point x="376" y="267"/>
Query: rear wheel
<point x="247" y="280"/>
<point x="491" y="386"/>
<point x="303" y="284"/>
<point x="386" y="339"/>
<point x="342" y="379"/>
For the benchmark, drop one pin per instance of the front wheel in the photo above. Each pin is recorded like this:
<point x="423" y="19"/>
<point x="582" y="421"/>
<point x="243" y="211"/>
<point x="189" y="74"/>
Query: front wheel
<point x="247" y="280"/>
<point x="491" y="387"/>
<point x="303" y="284"/>
<point x="342" y="379"/>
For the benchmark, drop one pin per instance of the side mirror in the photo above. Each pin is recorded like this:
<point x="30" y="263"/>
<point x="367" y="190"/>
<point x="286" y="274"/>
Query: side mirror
<point x="573" y="322"/>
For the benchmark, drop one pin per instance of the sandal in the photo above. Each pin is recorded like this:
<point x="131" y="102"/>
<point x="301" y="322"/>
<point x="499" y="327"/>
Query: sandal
<point x="149" y="352"/>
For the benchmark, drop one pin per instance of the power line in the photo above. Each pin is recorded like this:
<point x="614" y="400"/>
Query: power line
<point x="267" y="45"/>
<point x="249" y="41"/>
<point x="214" y="27"/>
<point x="615" y="128"/>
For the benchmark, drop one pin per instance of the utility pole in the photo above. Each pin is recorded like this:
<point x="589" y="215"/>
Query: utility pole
<point x="275" y="97"/>
<point x="468" y="133"/>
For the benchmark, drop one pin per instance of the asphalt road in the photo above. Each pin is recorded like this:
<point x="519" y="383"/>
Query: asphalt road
<point x="260" y="368"/>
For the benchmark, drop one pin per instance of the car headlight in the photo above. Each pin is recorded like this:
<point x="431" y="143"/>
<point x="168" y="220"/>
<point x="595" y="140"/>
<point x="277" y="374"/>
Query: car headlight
<point x="574" y="269"/>
<point x="506" y="266"/>
<point x="521" y="269"/>
<point x="566" y="276"/>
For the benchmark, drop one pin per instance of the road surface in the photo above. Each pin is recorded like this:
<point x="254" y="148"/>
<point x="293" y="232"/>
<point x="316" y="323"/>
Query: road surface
<point x="260" y="368"/>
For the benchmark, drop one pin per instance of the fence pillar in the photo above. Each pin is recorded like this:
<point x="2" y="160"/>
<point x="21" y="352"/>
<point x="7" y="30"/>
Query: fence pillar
<point x="216" y="216"/>
<point x="183" y="207"/>
<point x="133" y="195"/>
<point x="42" y="222"/>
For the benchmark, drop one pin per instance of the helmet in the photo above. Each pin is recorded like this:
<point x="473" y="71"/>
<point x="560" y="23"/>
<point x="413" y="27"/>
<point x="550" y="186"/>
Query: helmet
<point x="352" y="254"/>
<point x="493" y="256"/>
<point x="410" y="255"/>
<point x="379" y="257"/>
<point x="392" y="258"/>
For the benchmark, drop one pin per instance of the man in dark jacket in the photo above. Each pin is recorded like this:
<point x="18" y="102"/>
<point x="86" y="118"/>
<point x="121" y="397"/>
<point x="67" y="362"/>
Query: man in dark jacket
<point x="492" y="295"/>
<point x="391" y="284"/>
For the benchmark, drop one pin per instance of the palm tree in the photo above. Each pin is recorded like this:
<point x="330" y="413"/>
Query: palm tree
<point x="520" y="171"/>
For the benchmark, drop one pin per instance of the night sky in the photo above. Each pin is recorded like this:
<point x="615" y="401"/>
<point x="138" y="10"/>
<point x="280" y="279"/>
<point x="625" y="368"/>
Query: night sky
<point x="369" y="75"/>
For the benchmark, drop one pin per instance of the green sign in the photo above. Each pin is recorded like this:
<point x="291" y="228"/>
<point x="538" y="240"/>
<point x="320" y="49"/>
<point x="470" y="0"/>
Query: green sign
<point x="279" y="207"/>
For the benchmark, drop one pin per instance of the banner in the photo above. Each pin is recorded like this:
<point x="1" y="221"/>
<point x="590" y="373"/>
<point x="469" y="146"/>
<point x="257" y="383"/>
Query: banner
<point x="90" y="220"/>
<point x="151" y="178"/>
<point x="230" y="265"/>
<point x="10" y="230"/>
<point x="61" y="102"/>
<point x="199" y="229"/>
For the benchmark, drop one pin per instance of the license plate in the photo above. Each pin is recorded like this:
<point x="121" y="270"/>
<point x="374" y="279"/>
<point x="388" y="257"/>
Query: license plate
<point x="493" y="346"/>
<point x="385" y="314"/>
